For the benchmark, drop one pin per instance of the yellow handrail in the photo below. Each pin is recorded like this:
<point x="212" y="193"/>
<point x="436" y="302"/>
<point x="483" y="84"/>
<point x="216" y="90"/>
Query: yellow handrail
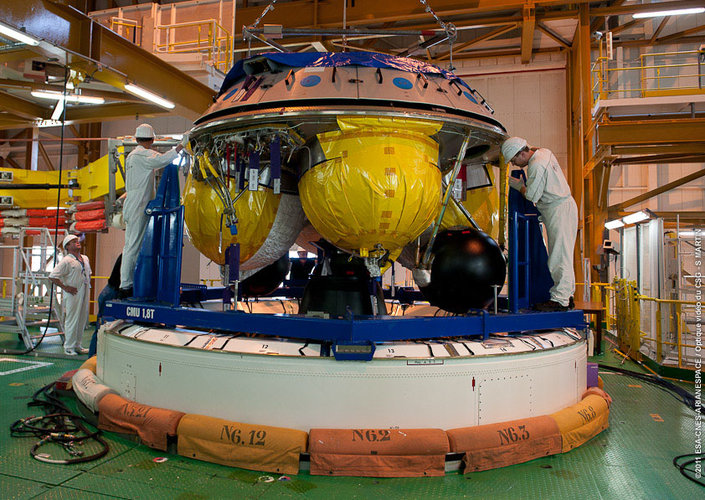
<point x="652" y="75"/>
<point x="628" y="304"/>
<point x="209" y="37"/>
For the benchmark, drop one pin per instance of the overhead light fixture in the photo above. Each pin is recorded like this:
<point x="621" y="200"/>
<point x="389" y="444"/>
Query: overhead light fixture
<point x="18" y="35"/>
<point x="674" y="12"/>
<point x="687" y="234"/>
<point x="318" y="46"/>
<point x="150" y="96"/>
<point x="636" y="217"/>
<point x="614" y="224"/>
<point x="73" y="98"/>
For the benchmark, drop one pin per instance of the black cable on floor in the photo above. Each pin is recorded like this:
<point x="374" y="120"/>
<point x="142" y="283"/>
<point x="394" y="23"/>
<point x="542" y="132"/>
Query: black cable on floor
<point x="684" y="397"/>
<point x="682" y="462"/>
<point x="679" y="393"/>
<point x="61" y="426"/>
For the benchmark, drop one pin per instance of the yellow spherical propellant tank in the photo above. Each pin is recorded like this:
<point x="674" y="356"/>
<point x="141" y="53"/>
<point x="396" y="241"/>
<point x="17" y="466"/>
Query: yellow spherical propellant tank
<point x="483" y="205"/>
<point x="203" y="210"/>
<point x="379" y="186"/>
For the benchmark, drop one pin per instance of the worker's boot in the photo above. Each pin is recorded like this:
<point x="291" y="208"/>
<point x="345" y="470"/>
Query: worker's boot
<point x="550" y="306"/>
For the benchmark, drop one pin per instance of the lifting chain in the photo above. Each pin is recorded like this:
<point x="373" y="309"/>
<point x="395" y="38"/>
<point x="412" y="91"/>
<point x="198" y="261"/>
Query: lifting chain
<point x="264" y="13"/>
<point x="449" y="29"/>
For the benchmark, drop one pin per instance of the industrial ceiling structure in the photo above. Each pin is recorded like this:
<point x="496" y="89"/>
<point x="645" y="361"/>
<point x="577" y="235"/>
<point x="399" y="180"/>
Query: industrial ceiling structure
<point x="99" y="63"/>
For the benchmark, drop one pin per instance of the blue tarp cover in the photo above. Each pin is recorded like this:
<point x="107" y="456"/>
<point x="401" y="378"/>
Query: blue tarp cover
<point x="330" y="59"/>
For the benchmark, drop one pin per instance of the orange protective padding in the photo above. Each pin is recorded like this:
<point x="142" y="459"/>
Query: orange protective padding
<point x="332" y="464"/>
<point x="582" y="421"/>
<point x="89" y="215"/>
<point x="505" y="443"/>
<point x="378" y="452"/>
<point x="40" y="212"/>
<point x="248" y="446"/>
<point x="90" y="364"/>
<point x="64" y="383"/>
<point x="152" y="425"/>
<point x="90" y="205"/>
<point x="89" y="225"/>
<point x="598" y="392"/>
<point x="600" y="382"/>
<point x="45" y="221"/>
<point x="379" y="441"/>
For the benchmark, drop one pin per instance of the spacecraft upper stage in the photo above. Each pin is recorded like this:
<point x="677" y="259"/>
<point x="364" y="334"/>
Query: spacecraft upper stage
<point x="358" y="143"/>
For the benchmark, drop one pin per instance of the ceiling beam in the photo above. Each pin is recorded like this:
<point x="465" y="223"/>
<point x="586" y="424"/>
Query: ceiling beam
<point x="528" y="26"/>
<point x="487" y="36"/>
<point x="655" y="192"/>
<point x="683" y="216"/>
<point x="44" y="154"/>
<point x="628" y="25"/>
<point x="20" y="107"/>
<point x="18" y="54"/>
<point x="553" y="35"/>
<point x="661" y="25"/>
<point x="647" y="43"/>
<point x="366" y="12"/>
<point x="680" y="34"/>
<point x="661" y="158"/>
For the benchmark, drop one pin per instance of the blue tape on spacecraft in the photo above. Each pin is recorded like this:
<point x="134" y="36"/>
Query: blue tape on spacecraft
<point x="338" y="59"/>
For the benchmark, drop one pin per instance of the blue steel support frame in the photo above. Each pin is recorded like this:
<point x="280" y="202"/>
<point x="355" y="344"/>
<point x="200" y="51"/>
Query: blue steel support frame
<point x="358" y="329"/>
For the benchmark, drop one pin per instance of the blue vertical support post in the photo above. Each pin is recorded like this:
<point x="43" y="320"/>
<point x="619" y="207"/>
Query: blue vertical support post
<point x="158" y="269"/>
<point x="529" y="278"/>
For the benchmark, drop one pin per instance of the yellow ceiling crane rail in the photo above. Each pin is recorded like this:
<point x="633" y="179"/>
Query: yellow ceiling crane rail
<point x="88" y="183"/>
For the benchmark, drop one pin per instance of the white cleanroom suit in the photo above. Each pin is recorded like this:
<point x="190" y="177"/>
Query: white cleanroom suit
<point x="548" y="189"/>
<point x="139" y="187"/>
<point x="70" y="272"/>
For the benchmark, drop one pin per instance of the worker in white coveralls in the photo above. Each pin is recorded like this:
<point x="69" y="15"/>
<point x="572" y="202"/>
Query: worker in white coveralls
<point x="140" y="166"/>
<point x="548" y="189"/>
<point x="73" y="275"/>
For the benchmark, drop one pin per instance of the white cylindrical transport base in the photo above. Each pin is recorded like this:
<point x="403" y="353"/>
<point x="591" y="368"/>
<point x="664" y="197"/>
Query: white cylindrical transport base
<point x="440" y="384"/>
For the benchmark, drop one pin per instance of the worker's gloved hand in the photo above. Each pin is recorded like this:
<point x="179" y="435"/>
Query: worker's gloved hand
<point x="515" y="183"/>
<point x="185" y="140"/>
<point x="422" y="277"/>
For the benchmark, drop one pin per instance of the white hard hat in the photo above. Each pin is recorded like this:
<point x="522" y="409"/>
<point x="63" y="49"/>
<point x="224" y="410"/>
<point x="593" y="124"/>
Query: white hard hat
<point x="144" y="131"/>
<point x="512" y="146"/>
<point x="68" y="239"/>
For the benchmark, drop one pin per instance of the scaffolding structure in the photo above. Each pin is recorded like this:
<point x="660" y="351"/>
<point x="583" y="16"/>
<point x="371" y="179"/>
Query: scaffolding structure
<point x="26" y="290"/>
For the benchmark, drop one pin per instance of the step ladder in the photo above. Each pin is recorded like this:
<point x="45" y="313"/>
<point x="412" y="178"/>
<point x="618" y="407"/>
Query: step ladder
<point x="25" y="293"/>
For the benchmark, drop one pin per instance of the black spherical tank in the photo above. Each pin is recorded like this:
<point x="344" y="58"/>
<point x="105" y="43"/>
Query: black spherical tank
<point x="466" y="265"/>
<point x="267" y="279"/>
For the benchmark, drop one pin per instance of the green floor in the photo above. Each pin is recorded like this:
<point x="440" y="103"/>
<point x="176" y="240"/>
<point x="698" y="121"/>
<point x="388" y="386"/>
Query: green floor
<point x="632" y="459"/>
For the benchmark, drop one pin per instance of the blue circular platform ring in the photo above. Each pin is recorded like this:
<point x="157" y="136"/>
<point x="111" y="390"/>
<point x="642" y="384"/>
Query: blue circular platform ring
<point x="469" y="96"/>
<point x="402" y="83"/>
<point x="311" y="81"/>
